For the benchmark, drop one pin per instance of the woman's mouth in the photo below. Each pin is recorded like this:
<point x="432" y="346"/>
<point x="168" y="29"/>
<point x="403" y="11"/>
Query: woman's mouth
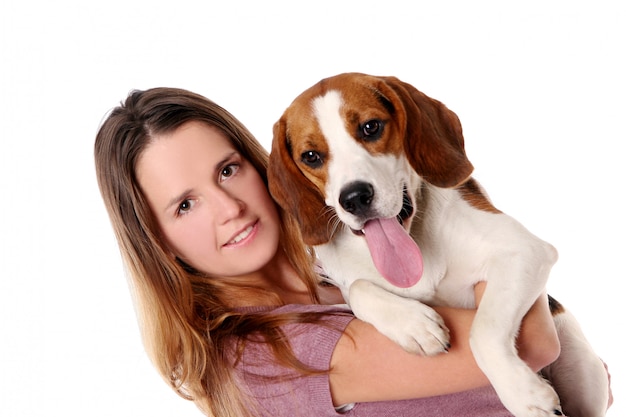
<point x="242" y="235"/>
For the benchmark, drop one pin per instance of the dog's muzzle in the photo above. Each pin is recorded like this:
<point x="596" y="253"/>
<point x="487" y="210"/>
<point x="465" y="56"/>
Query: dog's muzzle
<point x="357" y="198"/>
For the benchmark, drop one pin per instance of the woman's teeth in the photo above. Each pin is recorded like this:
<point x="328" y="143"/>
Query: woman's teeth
<point x="241" y="235"/>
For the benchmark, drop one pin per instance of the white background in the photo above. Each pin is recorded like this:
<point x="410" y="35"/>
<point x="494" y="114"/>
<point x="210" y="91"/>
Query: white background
<point x="539" y="87"/>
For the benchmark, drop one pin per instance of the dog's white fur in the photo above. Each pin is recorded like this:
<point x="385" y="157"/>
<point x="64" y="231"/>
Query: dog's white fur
<point x="461" y="245"/>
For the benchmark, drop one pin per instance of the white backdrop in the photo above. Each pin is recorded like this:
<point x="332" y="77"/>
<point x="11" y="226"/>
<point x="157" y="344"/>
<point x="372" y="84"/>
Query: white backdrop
<point x="539" y="88"/>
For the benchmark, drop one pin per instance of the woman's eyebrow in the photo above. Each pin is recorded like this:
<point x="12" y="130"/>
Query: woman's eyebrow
<point x="228" y="156"/>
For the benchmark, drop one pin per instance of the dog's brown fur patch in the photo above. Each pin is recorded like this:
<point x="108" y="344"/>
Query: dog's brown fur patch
<point x="474" y="195"/>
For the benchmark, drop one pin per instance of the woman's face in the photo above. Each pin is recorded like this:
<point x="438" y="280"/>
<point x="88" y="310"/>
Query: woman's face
<point x="212" y="206"/>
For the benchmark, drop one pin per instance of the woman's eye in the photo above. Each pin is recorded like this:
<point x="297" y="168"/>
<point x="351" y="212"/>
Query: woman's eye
<point x="228" y="171"/>
<point x="185" y="206"/>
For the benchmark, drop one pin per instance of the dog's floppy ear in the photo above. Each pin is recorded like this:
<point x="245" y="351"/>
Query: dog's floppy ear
<point x="298" y="196"/>
<point x="434" y="142"/>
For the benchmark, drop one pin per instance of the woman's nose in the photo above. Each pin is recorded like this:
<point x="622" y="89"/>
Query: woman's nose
<point x="227" y="206"/>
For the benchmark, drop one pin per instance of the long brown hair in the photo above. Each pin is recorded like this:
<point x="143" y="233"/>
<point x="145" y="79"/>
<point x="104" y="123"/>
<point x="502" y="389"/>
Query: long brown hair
<point x="187" y="326"/>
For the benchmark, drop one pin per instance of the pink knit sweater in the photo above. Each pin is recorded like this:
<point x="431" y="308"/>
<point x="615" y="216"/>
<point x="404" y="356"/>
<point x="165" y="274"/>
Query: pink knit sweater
<point x="282" y="392"/>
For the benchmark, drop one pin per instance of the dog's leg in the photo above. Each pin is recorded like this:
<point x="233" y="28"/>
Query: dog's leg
<point x="514" y="283"/>
<point x="492" y="339"/>
<point x="578" y="375"/>
<point x="410" y="323"/>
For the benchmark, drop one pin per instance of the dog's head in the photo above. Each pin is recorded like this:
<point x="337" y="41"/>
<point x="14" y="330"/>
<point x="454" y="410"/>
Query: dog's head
<point x="345" y="148"/>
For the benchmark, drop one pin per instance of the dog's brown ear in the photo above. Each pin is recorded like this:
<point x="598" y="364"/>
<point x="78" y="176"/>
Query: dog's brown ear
<point x="295" y="194"/>
<point x="434" y="141"/>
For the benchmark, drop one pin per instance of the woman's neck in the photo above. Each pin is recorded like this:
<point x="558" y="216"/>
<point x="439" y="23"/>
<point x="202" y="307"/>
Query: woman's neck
<point x="255" y="296"/>
<point x="276" y="283"/>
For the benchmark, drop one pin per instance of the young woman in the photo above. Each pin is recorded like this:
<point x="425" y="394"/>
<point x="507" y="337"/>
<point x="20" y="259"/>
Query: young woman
<point x="232" y="312"/>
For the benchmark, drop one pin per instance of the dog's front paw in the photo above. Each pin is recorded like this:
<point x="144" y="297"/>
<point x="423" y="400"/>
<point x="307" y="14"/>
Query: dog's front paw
<point x="531" y="396"/>
<point x="418" y="329"/>
<point x="408" y="322"/>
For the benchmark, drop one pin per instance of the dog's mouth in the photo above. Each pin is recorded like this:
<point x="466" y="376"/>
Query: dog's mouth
<point x="407" y="207"/>
<point x="394" y="253"/>
<point x="405" y="212"/>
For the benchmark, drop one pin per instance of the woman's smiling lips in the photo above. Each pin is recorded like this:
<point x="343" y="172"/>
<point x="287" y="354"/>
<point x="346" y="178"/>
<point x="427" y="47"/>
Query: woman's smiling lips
<point x="243" y="236"/>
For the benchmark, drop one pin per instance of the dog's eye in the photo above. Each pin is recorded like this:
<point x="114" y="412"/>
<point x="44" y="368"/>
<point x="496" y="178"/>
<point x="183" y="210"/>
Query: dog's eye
<point x="312" y="159"/>
<point x="371" y="130"/>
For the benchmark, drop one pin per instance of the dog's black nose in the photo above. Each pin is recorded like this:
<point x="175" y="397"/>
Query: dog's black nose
<point x="355" y="198"/>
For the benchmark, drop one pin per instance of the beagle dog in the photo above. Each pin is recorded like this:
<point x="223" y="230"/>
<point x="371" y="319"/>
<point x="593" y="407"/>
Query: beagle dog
<point x="369" y="166"/>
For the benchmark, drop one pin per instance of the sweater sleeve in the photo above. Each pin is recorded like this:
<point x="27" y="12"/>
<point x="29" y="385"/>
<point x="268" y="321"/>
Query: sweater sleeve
<point x="279" y="391"/>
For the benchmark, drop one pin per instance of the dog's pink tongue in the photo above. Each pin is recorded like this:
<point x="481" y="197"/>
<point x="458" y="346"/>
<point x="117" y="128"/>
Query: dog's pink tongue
<point x="396" y="256"/>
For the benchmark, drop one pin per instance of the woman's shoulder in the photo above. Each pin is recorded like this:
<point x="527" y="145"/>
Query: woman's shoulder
<point x="281" y="391"/>
<point x="308" y="321"/>
<point x="313" y="330"/>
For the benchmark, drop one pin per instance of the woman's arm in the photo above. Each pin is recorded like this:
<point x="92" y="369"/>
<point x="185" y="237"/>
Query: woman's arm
<point x="367" y="366"/>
